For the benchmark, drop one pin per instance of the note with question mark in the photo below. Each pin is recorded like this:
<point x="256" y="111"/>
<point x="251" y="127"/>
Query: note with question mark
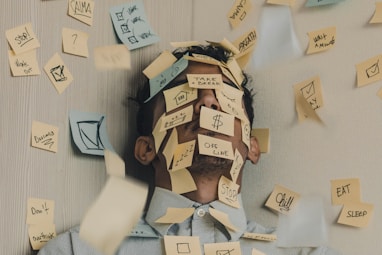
<point x="75" y="42"/>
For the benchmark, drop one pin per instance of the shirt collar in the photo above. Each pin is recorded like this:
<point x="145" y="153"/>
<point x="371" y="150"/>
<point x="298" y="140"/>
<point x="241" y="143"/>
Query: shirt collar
<point x="163" y="199"/>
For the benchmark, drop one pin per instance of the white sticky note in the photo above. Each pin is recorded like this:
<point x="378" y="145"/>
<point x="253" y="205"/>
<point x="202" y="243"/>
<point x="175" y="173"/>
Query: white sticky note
<point x="111" y="217"/>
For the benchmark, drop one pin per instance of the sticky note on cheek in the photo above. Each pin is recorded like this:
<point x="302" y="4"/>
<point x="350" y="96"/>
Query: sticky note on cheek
<point x="356" y="214"/>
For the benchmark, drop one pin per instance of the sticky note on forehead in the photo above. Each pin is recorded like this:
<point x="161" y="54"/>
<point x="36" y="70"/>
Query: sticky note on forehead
<point x="205" y="81"/>
<point x="217" y="121"/>
<point x="345" y="190"/>
<point x="215" y="147"/>
<point x="179" y="95"/>
<point x="161" y="63"/>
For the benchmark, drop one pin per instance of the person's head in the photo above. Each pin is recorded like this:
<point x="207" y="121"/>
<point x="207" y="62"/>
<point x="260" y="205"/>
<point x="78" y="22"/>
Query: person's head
<point x="204" y="167"/>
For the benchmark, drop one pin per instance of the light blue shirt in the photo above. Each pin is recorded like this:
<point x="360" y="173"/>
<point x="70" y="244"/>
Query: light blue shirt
<point x="147" y="237"/>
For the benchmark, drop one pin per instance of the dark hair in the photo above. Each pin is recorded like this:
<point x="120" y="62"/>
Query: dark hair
<point x="145" y="113"/>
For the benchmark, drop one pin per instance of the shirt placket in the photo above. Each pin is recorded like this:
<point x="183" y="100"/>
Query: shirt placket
<point x="203" y="225"/>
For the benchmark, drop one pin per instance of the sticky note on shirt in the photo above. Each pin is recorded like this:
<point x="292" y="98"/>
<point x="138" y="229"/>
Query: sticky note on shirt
<point x="110" y="218"/>
<point x="217" y="121"/>
<point x="23" y="64"/>
<point x="82" y="10"/>
<point x="176" y="215"/>
<point x="345" y="190"/>
<point x="40" y="211"/>
<point x="228" y="192"/>
<point x="75" y="42"/>
<point x="22" y="38"/>
<point x="263" y="139"/>
<point x="356" y="214"/>
<point x="178" y="245"/>
<point x="215" y="147"/>
<point x="58" y="73"/>
<point x="282" y="199"/>
<point x="238" y="12"/>
<point x="231" y="248"/>
<point x="369" y="71"/>
<point x="321" y="40"/>
<point x="112" y="57"/>
<point x="44" y="136"/>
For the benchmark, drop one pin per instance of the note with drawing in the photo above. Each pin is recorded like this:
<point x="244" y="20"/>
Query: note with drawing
<point x="89" y="132"/>
<point x="132" y="25"/>
<point x="369" y="71"/>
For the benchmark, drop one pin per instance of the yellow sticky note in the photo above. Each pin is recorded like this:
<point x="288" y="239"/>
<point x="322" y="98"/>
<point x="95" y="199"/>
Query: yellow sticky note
<point x="231" y="101"/>
<point x="110" y="219"/>
<point x="345" y="190"/>
<point x="369" y="71"/>
<point x="238" y="12"/>
<point x="175" y="215"/>
<point x="237" y="164"/>
<point x="58" y="73"/>
<point x="377" y="17"/>
<point x="22" y="38"/>
<point x="215" y="147"/>
<point x="157" y="134"/>
<point x="183" y="155"/>
<point x="228" y="192"/>
<point x="179" y="96"/>
<point x="379" y="93"/>
<point x="321" y="40"/>
<point x="205" y="81"/>
<point x="179" y="245"/>
<point x="231" y="248"/>
<point x="82" y="10"/>
<point x="217" y="121"/>
<point x="257" y="252"/>
<point x="356" y="214"/>
<point x="223" y="218"/>
<point x="114" y="163"/>
<point x="282" y="2"/>
<point x="40" y="234"/>
<point x="112" y="57"/>
<point x="226" y="44"/>
<point x="246" y="41"/>
<point x="260" y="236"/>
<point x="75" y="42"/>
<point x="40" y="211"/>
<point x="282" y="199"/>
<point x="304" y="109"/>
<point x="246" y="132"/>
<point x="182" y="181"/>
<point x="23" y="64"/>
<point x="262" y="136"/>
<point x="177" y="118"/>
<point x="161" y="63"/>
<point x="236" y="71"/>
<point x="44" y="136"/>
<point x="172" y="143"/>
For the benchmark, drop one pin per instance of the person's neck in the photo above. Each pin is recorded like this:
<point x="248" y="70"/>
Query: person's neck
<point x="207" y="189"/>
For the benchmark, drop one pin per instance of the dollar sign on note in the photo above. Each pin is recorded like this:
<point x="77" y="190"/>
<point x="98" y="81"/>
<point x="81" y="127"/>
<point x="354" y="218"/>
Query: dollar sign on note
<point x="217" y="122"/>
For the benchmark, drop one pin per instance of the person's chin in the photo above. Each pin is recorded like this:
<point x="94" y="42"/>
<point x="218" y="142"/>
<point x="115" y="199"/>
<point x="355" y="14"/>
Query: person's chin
<point x="210" y="165"/>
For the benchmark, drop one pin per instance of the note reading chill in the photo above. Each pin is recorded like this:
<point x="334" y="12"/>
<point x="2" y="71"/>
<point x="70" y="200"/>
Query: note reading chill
<point x="282" y="199"/>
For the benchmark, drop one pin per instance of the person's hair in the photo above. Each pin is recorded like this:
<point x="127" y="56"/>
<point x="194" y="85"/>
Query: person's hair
<point x="145" y="112"/>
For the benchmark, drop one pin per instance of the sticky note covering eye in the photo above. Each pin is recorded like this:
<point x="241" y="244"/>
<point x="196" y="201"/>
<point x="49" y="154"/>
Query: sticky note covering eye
<point x="231" y="248"/>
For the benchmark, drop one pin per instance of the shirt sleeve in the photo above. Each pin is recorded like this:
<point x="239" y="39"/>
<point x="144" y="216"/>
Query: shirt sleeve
<point x="60" y="245"/>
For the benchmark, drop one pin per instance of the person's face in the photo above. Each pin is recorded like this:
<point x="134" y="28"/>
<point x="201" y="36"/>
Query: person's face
<point x="189" y="131"/>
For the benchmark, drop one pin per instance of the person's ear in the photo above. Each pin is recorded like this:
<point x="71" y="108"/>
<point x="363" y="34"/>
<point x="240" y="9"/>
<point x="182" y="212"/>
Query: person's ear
<point x="144" y="150"/>
<point x="254" y="150"/>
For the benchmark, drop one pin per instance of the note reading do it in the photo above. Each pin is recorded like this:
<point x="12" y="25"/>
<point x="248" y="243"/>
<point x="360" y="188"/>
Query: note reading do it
<point x="44" y="136"/>
<point x="282" y="199"/>
<point x="356" y="214"/>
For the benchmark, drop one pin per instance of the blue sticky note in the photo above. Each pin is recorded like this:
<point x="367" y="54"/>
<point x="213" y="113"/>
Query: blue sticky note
<point x="312" y="3"/>
<point x="89" y="132"/>
<point x="161" y="80"/>
<point x="132" y="26"/>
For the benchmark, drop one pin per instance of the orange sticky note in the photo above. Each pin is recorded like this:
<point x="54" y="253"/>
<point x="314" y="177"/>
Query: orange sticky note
<point x="44" y="136"/>
<point x="75" y="42"/>
<point x="321" y="40"/>
<point x="82" y="10"/>
<point x="369" y="71"/>
<point x="237" y="164"/>
<point x="228" y="192"/>
<point x="231" y="248"/>
<point x="180" y="245"/>
<point x="238" y="12"/>
<point x="205" y="81"/>
<point x="22" y="38"/>
<point x="160" y="64"/>
<point x="356" y="214"/>
<point x="282" y="199"/>
<point x="179" y="96"/>
<point x="58" y="73"/>
<point x="171" y="145"/>
<point x="345" y="190"/>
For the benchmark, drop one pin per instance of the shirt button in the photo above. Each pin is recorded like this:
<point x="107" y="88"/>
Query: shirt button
<point x="201" y="212"/>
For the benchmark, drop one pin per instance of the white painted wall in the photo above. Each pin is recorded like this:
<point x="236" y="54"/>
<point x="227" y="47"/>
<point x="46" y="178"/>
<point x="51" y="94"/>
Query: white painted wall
<point x="304" y="157"/>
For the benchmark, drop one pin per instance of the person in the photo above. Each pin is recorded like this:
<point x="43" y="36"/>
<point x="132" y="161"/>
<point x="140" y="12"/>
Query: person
<point x="207" y="170"/>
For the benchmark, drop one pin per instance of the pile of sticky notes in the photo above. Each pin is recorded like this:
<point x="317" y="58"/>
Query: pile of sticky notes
<point x="347" y="192"/>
